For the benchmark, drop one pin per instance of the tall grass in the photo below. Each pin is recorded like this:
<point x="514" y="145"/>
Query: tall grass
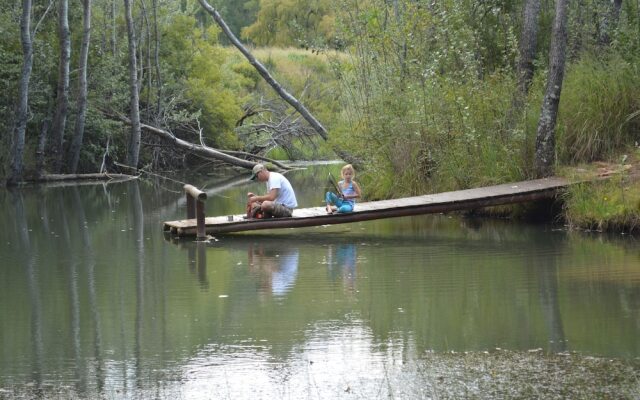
<point x="599" y="110"/>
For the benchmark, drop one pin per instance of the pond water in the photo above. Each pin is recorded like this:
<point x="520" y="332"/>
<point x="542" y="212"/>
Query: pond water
<point x="95" y="301"/>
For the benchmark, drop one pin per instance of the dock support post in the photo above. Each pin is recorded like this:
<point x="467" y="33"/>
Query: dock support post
<point x="195" y="209"/>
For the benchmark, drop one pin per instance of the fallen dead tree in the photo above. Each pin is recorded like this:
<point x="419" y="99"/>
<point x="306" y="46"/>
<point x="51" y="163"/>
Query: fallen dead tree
<point x="200" y="150"/>
<point x="81" y="179"/>
<point x="205" y="151"/>
<point x="262" y="70"/>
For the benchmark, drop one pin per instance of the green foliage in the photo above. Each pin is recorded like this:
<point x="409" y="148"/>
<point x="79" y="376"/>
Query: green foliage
<point x="10" y="65"/>
<point x="196" y="61"/>
<point x="236" y="13"/>
<point x="423" y="92"/>
<point x="248" y="76"/>
<point x="626" y="39"/>
<point x="428" y="91"/>
<point x="306" y="23"/>
<point x="309" y="78"/>
<point x="420" y="113"/>
<point x="278" y="154"/>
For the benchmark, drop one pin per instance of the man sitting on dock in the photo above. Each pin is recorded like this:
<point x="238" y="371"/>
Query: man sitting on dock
<point x="280" y="199"/>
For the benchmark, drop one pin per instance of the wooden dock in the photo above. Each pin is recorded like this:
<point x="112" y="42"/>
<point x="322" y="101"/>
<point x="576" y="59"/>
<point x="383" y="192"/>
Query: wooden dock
<point x="517" y="192"/>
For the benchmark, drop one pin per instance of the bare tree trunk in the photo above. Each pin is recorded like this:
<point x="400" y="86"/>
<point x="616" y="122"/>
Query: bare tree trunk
<point x="202" y="151"/>
<point x="17" y="146"/>
<point x="156" y="59"/>
<point x="42" y="141"/>
<point x="76" y="143"/>
<point x="617" y="5"/>
<point x="62" y="96"/>
<point x="114" y="29"/>
<point x="147" y="59"/>
<point x="609" y="21"/>
<point x="265" y="73"/>
<point x="134" y="139"/>
<point x="528" y="44"/>
<point x="545" y="136"/>
<point x="525" y="71"/>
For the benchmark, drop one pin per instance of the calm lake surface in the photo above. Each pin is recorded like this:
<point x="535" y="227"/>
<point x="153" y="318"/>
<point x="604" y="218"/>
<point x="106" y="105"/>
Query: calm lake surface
<point x="96" y="301"/>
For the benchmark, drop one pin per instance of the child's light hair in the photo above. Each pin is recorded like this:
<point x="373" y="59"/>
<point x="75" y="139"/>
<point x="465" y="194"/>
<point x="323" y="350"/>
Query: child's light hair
<point x="348" y="167"/>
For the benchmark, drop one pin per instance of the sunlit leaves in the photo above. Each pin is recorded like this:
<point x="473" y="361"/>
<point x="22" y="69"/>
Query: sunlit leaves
<point x="195" y="60"/>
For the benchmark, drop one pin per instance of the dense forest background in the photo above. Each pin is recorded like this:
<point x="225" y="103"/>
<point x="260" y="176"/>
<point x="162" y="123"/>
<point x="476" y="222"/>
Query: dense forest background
<point x="421" y="95"/>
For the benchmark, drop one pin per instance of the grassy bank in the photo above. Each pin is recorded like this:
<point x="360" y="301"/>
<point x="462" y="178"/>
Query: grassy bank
<point x="611" y="200"/>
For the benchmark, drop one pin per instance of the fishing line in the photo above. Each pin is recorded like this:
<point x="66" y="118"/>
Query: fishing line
<point x="153" y="174"/>
<point x="172" y="180"/>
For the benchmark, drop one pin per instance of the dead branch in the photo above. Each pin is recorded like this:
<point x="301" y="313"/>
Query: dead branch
<point x="201" y="150"/>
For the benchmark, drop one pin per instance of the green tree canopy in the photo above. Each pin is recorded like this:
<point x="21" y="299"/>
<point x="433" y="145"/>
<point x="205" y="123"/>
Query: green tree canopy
<point x="292" y="23"/>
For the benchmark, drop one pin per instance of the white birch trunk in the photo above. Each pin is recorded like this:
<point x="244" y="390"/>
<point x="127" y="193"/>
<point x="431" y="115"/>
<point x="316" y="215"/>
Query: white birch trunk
<point x="62" y="96"/>
<point x="17" y="147"/>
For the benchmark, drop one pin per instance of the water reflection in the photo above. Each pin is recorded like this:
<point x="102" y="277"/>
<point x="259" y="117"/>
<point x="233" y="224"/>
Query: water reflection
<point x="197" y="259"/>
<point x="550" y="305"/>
<point x="274" y="266"/>
<point x="21" y="232"/>
<point x="341" y="264"/>
<point x="94" y="297"/>
<point x="74" y="298"/>
<point x="89" y="260"/>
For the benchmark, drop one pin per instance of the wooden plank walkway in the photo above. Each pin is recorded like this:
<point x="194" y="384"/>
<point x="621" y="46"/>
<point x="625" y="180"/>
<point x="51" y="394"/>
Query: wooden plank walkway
<point x="510" y="193"/>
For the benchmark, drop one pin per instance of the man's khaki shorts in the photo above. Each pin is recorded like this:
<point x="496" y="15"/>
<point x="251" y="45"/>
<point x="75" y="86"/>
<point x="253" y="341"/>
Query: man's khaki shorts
<point x="281" y="211"/>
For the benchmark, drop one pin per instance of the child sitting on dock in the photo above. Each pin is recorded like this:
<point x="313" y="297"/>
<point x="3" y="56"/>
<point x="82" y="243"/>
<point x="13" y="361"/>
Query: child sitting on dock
<point x="348" y="191"/>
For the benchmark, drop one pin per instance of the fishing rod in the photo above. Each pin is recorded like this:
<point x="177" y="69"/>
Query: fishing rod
<point x="335" y="185"/>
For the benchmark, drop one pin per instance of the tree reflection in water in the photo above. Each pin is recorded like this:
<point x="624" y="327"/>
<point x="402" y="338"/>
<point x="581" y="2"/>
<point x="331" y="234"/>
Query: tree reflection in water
<point x="21" y="232"/>
<point x="109" y="308"/>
